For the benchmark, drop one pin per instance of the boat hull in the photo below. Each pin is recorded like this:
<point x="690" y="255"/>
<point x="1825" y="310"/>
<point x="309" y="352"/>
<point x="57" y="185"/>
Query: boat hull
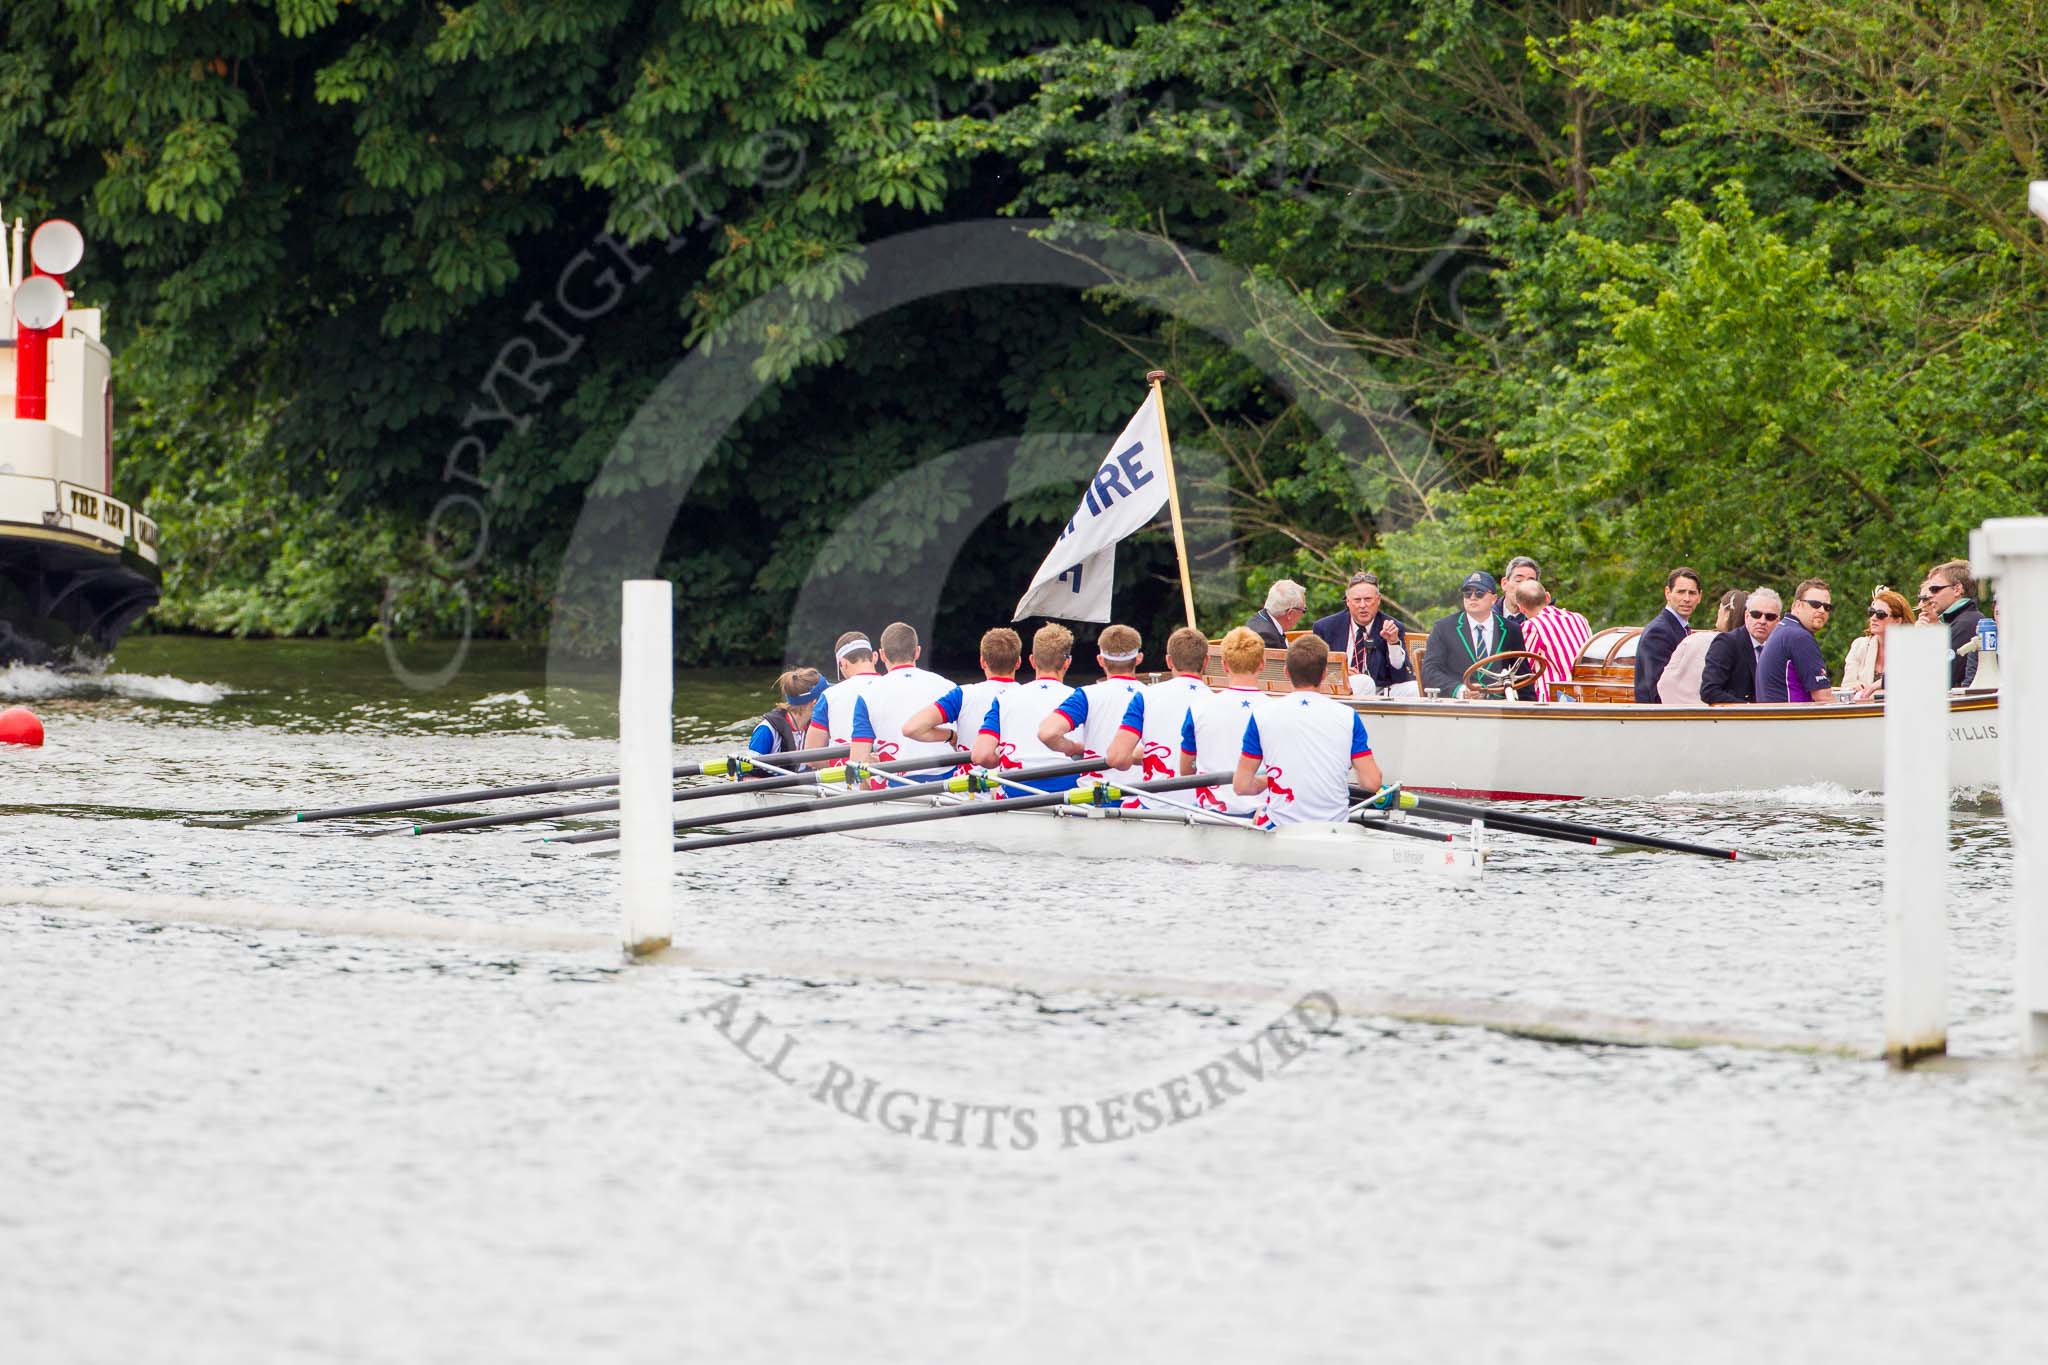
<point x="66" y="598"/>
<point x="1568" y="751"/>
<point x="1150" y="835"/>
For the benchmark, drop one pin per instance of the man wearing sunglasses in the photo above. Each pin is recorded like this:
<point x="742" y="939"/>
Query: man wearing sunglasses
<point x="1661" y="636"/>
<point x="1729" y="674"/>
<point x="1464" y="637"/>
<point x="1948" y="594"/>
<point x="1791" y="668"/>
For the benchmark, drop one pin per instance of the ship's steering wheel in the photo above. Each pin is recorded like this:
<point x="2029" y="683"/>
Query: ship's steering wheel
<point x="1497" y="684"/>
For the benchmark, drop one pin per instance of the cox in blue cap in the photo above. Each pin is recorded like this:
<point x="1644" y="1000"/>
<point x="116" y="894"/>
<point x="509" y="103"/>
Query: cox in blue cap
<point x="1480" y="579"/>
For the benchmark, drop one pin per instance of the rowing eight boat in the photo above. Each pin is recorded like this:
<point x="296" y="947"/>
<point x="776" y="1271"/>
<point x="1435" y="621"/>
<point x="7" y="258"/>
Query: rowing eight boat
<point x="1115" y="833"/>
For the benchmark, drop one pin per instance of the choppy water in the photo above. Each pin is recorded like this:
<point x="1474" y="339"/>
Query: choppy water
<point x="231" y="1144"/>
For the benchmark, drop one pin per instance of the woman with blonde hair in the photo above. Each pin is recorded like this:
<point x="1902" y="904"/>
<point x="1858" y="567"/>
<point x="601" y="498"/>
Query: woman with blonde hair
<point x="781" y="731"/>
<point x="1863" y="671"/>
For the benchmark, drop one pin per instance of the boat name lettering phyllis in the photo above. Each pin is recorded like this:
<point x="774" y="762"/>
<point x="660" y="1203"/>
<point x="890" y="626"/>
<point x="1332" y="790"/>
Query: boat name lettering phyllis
<point x="1964" y="734"/>
<point x="1117" y="1117"/>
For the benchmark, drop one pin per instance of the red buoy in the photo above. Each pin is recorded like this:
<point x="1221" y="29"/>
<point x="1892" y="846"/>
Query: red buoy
<point x="18" y="725"/>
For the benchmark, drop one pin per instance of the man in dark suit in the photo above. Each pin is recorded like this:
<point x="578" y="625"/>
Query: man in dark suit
<point x="1367" y="638"/>
<point x="1661" y="636"/>
<point x="1286" y="604"/>
<point x="1464" y="637"/>
<point x="1729" y="674"/>
<point x="1948" y="595"/>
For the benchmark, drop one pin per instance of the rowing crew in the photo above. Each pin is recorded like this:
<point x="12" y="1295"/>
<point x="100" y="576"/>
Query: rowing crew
<point x="1293" y="757"/>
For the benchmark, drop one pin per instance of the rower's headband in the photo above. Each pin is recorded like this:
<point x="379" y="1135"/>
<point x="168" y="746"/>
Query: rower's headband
<point x="806" y="698"/>
<point x="1121" y="658"/>
<point x="853" y="646"/>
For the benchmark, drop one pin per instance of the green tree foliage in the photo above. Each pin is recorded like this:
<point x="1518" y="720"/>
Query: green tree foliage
<point x="1742" y="283"/>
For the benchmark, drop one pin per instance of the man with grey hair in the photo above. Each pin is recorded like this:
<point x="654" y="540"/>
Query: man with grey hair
<point x="1286" y="602"/>
<point x="1729" y="674"/>
<point x="1521" y="569"/>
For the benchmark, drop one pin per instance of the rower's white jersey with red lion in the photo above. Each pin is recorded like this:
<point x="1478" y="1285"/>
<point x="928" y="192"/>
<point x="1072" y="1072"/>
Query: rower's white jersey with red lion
<point x="896" y="696"/>
<point x="834" y="712"/>
<point x="1214" y="733"/>
<point x="966" y="706"/>
<point x="1305" y="742"/>
<point x="1097" y="712"/>
<point x="1014" y="717"/>
<point x="1156" y="716"/>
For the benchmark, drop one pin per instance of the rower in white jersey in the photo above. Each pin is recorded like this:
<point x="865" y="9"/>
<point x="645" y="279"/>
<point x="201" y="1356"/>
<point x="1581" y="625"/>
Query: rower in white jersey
<point x="1303" y="750"/>
<point x="832" y="718"/>
<point x="1097" y="710"/>
<point x="956" y="717"/>
<point x="1152" y="722"/>
<point x="1212" y="737"/>
<point x="1009" y="732"/>
<point x="885" y="704"/>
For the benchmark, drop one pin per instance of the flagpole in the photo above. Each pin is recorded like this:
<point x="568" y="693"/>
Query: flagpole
<point x="1180" y="541"/>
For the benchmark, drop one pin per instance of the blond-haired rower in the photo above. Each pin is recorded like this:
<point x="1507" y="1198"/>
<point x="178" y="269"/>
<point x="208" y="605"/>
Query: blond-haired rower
<point x="1097" y="710"/>
<point x="1212" y="736"/>
<point x="1303" y="750"/>
<point x="1009" y="732"/>
<point x="1152" y="722"/>
<point x="956" y="717"/>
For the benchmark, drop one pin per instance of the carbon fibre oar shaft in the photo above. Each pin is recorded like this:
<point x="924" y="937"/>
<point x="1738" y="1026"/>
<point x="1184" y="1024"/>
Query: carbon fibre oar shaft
<point x="570" y="784"/>
<point x="1543" y="827"/>
<point x="1379" y="825"/>
<point x="1078" y="797"/>
<point x="525" y="817"/>
<point x="826" y="805"/>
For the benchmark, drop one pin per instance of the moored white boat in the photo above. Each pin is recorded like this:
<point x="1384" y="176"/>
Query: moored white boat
<point x="1089" y="832"/>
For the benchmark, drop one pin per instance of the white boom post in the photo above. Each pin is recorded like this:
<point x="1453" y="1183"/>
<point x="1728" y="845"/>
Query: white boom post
<point x="1916" y="843"/>
<point x="646" y="741"/>
<point x="2014" y="550"/>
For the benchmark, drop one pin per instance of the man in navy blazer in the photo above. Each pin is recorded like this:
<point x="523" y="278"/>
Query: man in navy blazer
<point x="1465" y="637"/>
<point x="1661" y="636"/>
<point x="1367" y="638"/>
<point x="1729" y="674"/>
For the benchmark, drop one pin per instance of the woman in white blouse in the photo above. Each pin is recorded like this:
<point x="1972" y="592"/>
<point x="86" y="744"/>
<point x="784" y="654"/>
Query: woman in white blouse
<point x="1863" y="671"/>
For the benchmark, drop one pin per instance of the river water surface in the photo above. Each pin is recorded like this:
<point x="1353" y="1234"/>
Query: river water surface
<point x="337" y="1143"/>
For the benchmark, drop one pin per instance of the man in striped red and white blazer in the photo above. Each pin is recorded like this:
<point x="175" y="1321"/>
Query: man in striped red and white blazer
<point x="1558" y="635"/>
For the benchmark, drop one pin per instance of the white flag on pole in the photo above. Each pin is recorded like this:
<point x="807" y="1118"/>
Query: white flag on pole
<point x="1128" y="489"/>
